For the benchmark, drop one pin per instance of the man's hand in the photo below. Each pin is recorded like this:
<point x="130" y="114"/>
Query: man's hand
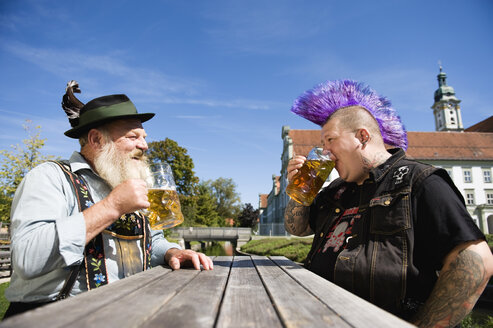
<point x="129" y="196"/>
<point x="294" y="165"/>
<point x="296" y="216"/>
<point x="177" y="258"/>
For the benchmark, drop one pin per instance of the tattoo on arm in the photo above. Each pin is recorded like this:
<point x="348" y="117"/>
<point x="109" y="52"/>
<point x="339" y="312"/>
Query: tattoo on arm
<point x="296" y="219"/>
<point x="455" y="292"/>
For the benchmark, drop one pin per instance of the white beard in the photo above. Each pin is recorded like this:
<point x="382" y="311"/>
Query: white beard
<point x="115" y="166"/>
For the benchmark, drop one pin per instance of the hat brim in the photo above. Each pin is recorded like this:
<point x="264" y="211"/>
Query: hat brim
<point x="80" y="130"/>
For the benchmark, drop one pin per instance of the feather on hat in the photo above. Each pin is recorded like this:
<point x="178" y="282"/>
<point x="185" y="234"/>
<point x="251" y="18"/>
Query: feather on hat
<point x="83" y="117"/>
<point x="319" y="103"/>
<point x="70" y="104"/>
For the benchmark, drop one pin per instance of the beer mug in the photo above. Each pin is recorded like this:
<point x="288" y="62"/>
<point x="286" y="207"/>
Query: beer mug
<point x="164" y="211"/>
<point x="310" y="177"/>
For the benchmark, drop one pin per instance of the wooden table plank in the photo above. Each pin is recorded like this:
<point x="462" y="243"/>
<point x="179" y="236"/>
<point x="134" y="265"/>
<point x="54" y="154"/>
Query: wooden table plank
<point x="143" y="303"/>
<point x="197" y="304"/>
<point x="71" y="311"/>
<point x="245" y="302"/>
<point x="350" y="307"/>
<point x="296" y="306"/>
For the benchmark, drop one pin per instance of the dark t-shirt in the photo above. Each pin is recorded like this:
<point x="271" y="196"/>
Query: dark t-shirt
<point x="441" y="223"/>
<point x="323" y="261"/>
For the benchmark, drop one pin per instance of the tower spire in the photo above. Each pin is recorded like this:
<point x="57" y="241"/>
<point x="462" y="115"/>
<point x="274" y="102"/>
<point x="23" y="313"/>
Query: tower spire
<point x="446" y="108"/>
<point x="441" y="77"/>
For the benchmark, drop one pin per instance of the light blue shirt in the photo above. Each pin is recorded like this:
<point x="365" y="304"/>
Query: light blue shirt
<point x="49" y="234"/>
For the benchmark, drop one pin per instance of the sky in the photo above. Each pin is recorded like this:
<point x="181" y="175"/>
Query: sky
<point x="221" y="76"/>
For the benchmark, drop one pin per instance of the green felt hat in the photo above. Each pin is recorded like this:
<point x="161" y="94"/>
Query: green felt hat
<point x="103" y="110"/>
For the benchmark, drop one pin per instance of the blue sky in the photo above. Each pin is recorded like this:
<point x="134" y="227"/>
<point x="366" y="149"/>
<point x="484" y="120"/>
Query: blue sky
<point x="221" y="76"/>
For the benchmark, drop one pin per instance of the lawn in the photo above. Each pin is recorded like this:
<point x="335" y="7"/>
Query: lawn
<point x="4" y="304"/>
<point x="295" y="249"/>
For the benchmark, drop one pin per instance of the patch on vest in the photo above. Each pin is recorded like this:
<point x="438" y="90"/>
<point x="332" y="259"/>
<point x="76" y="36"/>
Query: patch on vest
<point x="338" y="194"/>
<point x="400" y="173"/>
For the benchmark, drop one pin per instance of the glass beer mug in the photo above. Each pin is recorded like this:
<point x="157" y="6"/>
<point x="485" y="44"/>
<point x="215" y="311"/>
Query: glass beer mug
<point x="310" y="177"/>
<point x="165" y="210"/>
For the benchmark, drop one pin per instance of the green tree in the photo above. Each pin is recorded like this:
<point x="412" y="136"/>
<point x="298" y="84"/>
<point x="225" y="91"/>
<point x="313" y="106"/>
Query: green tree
<point x="16" y="163"/>
<point x="181" y="164"/>
<point x="205" y="208"/>
<point x="248" y="217"/>
<point x="227" y="199"/>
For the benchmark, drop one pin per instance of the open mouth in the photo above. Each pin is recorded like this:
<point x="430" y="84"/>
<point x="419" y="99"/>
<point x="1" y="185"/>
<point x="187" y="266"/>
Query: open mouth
<point x="137" y="155"/>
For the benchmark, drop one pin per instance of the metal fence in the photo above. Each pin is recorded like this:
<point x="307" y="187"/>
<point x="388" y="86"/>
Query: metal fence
<point x="272" y="229"/>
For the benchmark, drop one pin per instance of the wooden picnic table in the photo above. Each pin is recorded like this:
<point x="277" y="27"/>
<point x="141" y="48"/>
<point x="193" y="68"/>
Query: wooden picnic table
<point x="241" y="291"/>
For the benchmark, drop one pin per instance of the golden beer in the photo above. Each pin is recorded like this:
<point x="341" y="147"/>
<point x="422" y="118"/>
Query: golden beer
<point x="308" y="181"/>
<point x="165" y="210"/>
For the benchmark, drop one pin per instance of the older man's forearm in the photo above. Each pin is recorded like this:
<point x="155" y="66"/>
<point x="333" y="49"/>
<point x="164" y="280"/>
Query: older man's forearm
<point x="296" y="219"/>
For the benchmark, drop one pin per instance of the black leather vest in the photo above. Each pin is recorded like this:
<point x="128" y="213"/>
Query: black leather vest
<point x="374" y="264"/>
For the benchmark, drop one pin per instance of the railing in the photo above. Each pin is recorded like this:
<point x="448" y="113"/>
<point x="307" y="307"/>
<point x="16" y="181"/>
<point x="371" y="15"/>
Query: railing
<point x="204" y="234"/>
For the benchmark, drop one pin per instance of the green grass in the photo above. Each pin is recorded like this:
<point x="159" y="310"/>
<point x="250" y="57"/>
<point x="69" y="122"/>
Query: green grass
<point x="295" y="249"/>
<point x="4" y="304"/>
<point x="489" y="239"/>
<point x="477" y="320"/>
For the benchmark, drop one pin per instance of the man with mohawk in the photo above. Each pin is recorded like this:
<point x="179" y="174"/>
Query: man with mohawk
<point x="405" y="240"/>
<point x="76" y="224"/>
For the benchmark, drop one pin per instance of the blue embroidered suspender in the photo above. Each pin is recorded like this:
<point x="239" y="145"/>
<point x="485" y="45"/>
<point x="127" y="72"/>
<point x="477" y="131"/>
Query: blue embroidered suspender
<point x="128" y="226"/>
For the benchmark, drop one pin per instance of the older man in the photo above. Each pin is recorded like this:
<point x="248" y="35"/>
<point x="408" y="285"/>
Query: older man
<point x="391" y="230"/>
<point x="76" y="224"/>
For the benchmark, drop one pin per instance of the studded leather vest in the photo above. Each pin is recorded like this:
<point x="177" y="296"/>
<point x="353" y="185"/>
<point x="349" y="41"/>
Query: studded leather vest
<point x="374" y="263"/>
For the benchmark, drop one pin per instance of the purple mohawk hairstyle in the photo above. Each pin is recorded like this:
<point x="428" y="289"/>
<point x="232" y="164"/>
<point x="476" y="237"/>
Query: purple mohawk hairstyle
<point x="319" y="103"/>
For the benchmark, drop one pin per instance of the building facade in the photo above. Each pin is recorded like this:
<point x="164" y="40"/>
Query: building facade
<point x="467" y="155"/>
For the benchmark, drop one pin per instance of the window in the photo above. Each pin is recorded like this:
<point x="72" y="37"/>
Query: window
<point x="487" y="175"/>
<point x="469" y="197"/>
<point x="467" y="175"/>
<point x="449" y="171"/>
<point x="489" y="197"/>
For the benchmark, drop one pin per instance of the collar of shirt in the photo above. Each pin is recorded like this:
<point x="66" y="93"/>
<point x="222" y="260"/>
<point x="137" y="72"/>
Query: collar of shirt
<point x="78" y="162"/>
<point x="380" y="171"/>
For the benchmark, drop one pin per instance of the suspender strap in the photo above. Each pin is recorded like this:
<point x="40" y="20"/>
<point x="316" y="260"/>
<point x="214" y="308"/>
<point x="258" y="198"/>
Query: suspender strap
<point x="80" y="196"/>
<point x="132" y="224"/>
<point x="69" y="282"/>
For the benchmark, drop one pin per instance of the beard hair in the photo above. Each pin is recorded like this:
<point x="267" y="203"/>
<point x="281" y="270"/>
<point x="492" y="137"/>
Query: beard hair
<point x="116" y="166"/>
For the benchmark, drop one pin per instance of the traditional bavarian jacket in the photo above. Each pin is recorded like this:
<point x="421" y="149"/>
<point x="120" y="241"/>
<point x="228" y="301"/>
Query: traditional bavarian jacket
<point x="376" y="244"/>
<point x="48" y="235"/>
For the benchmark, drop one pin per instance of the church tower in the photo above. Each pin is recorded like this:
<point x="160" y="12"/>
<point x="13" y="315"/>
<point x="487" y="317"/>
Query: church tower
<point x="446" y="108"/>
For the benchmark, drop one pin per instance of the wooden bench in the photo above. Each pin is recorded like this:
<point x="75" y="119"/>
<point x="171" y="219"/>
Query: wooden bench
<point x="5" y="263"/>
